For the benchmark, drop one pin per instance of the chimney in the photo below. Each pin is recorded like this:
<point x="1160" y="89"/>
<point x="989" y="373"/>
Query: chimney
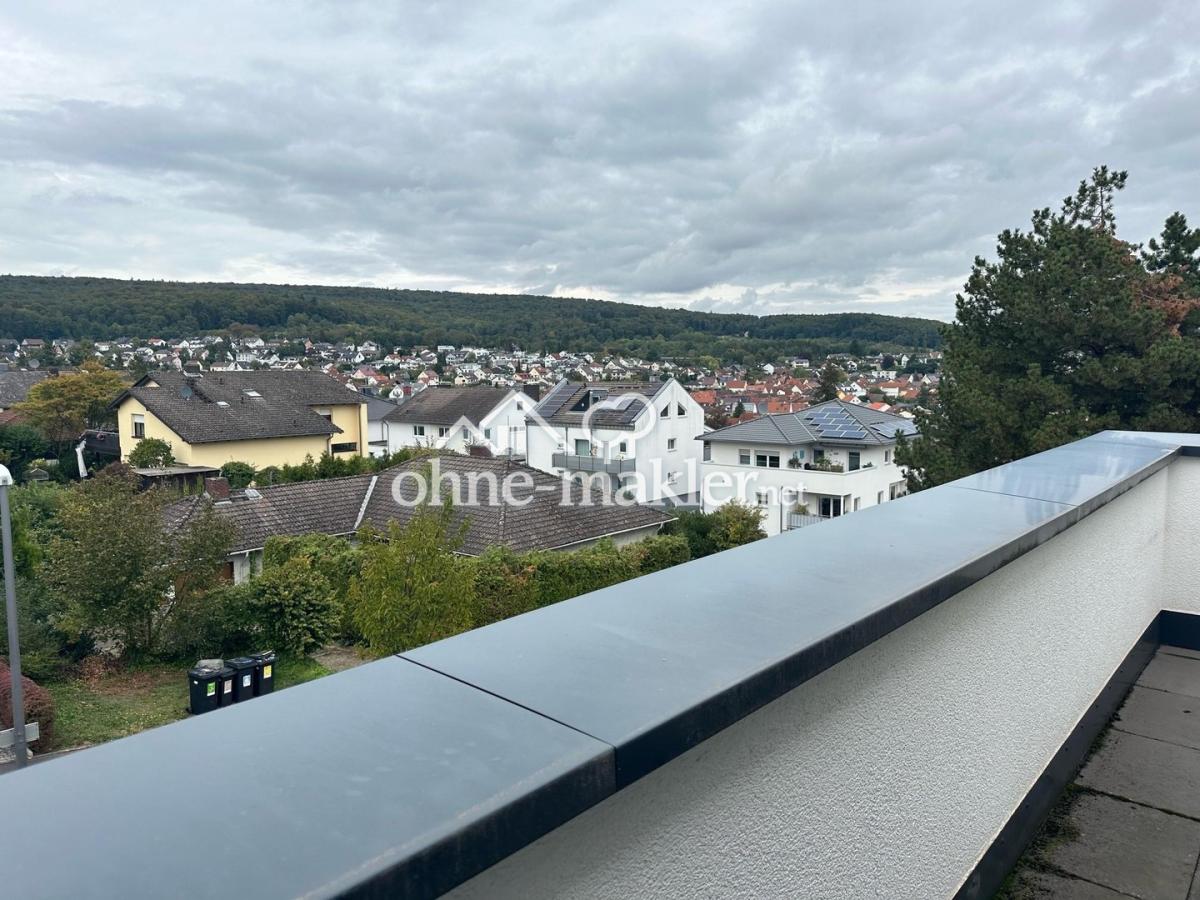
<point x="217" y="489"/>
<point x="533" y="390"/>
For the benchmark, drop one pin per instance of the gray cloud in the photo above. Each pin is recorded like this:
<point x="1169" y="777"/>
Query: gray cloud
<point x="768" y="157"/>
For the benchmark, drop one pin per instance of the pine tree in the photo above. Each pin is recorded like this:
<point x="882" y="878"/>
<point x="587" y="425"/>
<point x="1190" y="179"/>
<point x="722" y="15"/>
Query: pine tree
<point x="827" y="383"/>
<point x="1065" y="334"/>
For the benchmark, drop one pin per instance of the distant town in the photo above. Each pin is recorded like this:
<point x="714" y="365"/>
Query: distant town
<point x="898" y="383"/>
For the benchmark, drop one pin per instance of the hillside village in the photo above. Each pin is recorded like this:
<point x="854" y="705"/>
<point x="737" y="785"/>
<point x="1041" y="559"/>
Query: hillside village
<point x="896" y="383"/>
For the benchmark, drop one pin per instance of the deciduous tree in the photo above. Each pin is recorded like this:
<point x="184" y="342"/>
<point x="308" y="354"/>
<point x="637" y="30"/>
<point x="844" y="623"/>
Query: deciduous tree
<point x="119" y="571"/>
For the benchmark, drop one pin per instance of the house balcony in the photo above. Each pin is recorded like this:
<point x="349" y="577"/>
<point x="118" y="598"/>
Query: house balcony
<point x="574" y="463"/>
<point x="802" y="520"/>
<point x="886" y="706"/>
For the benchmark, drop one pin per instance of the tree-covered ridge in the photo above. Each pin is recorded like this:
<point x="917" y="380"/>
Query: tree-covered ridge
<point x="97" y="308"/>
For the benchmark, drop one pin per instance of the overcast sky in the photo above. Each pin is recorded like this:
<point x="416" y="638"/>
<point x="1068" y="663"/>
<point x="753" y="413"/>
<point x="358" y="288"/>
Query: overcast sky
<point x="760" y="157"/>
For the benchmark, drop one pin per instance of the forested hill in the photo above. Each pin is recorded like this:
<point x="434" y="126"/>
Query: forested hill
<point x="95" y="308"/>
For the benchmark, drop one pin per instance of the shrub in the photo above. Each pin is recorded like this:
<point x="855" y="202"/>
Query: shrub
<point x="151" y="453"/>
<point x="659" y="552"/>
<point x="505" y="585"/>
<point x="412" y="589"/>
<point x="39" y="705"/>
<point x="219" y="622"/>
<point x="335" y="558"/>
<point x="695" y="527"/>
<point x="562" y="575"/>
<point x="735" y="524"/>
<point x="46" y="649"/>
<point x="238" y="474"/>
<point x="294" y="607"/>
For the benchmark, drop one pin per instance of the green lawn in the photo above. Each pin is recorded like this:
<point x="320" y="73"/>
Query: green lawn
<point x="136" y="697"/>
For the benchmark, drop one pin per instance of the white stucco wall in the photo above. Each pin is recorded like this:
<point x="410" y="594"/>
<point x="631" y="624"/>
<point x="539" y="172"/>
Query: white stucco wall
<point x="889" y="774"/>
<point x="1181" y="587"/>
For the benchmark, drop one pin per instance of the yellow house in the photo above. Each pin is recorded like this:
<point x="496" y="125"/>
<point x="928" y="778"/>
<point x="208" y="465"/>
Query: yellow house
<point x="265" y="418"/>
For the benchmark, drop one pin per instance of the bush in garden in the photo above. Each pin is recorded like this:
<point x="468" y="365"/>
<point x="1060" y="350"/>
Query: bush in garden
<point x="47" y="651"/>
<point x="39" y="705"/>
<point x="505" y="585"/>
<point x="238" y="474"/>
<point x="412" y="589"/>
<point x="293" y="606"/>
<point x="335" y="558"/>
<point x="151" y="453"/>
<point x="659" y="552"/>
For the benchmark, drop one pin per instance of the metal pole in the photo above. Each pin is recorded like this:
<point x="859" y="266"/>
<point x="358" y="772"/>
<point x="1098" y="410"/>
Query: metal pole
<point x="10" y="601"/>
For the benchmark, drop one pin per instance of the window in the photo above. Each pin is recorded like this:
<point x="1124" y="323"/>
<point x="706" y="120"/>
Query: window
<point x="443" y="430"/>
<point x="139" y="426"/>
<point x="879" y="497"/>
<point x="670" y="443"/>
<point x="743" y="457"/>
<point x="855" y="460"/>
<point x="679" y="410"/>
<point x="672" y="477"/>
<point x="665" y="412"/>
<point x="707" y="452"/>
<point x="798" y="454"/>
<point x="761" y="498"/>
<point x="830" y="507"/>
<point x="766" y="460"/>
<point x="583" y="447"/>
<point x="349" y="447"/>
<point x="622" y="447"/>
<point x="419" y="430"/>
<point x="487" y="434"/>
<point x="466" y="433"/>
<point x="857" y="503"/>
<point x="887" y="456"/>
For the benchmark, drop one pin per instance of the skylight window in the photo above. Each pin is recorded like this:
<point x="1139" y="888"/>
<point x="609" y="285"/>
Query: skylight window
<point x="253" y="395"/>
<point x="222" y="404"/>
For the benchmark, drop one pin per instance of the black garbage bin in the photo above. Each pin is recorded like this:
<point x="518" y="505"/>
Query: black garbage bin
<point x="264" y="675"/>
<point x="243" y="677"/>
<point x="225" y="679"/>
<point x="202" y="689"/>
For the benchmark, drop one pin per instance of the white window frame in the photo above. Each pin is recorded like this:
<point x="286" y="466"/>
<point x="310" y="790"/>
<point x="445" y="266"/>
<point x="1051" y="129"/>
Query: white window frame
<point x="745" y="457"/>
<point x="770" y="459"/>
<point x="670" y="445"/>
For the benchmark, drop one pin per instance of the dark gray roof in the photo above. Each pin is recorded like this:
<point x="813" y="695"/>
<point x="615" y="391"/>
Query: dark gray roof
<point x="378" y="407"/>
<point x="832" y="422"/>
<point x="220" y="406"/>
<point x="568" y="401"/>
<point x="446" y="405"/>
<point x="14" y="386"/>
<point x="334" y="505"/>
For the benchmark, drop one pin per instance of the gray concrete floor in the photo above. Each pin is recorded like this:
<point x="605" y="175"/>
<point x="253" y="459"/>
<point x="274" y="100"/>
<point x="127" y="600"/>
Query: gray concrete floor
<point x="1130" y="824"/>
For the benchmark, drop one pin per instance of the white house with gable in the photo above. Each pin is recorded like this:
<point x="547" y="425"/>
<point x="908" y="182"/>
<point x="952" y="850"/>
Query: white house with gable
<point x="639" y="437"/>
<point x="458" y="418"/>
<point x="801" y="468"/>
